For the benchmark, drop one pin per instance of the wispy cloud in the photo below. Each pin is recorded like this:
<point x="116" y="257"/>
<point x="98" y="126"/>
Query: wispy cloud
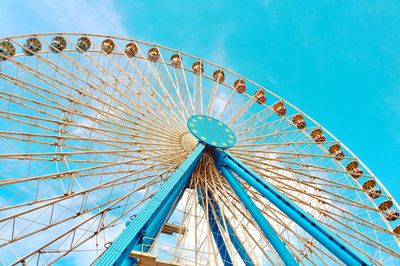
<point x="69" y="16"/>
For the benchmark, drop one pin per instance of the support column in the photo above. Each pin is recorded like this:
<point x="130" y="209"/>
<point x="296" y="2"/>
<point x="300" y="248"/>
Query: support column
<point x="311" y="225"/>
<point x="212" y="222"/>
<point x="133" y="234"/>
<point x="155" y="226"/>
<point x="264" y="225"/>
<point x="232" y="235"/>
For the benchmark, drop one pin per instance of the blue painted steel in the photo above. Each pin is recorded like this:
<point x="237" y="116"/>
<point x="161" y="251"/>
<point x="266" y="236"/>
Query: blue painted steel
<point x="218" y="238"/>
<point x="155" y="226"/>
<point x="131" y="236"/>
<point x="264" y="225"/>
<point x="238" y="246"/>
<point x="211" y="131"/>
<point x="232" y="235"/>
<point x="322" y="234"/>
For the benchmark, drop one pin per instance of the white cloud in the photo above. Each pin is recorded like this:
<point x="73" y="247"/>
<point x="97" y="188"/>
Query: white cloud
<point x="69" y="16"/>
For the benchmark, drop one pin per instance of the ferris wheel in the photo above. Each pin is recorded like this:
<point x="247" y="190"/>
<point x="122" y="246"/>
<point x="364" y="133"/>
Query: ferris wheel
<point x="121" y="152"/>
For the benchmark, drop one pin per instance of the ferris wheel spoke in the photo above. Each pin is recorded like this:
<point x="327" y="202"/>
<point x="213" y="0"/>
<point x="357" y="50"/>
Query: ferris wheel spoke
<point x="30" y="138"/>
<point x="175" y="85"/>
<point x="284" y="186"/>
<point x="229" y="197"/>
<point x="169" y="100"/>
<point x="272" y="213"/>
<point x="283" y="144"/>
<point x="291" y="247"/>
<point x="212" y="98"/>
<point x="102" y="131"/>
<point x="265" y="137"/>
<point x="357" y="187"/>
<point x="222" y="186"/>
<point x="69" y="173"/>
<point x="258" y="197"/>
<point x="216" y="186"/>
<point x="28" y="156"/>
<point x="205" y="218"/>
<point x="56" y="199"/>
<point x="153" y="91"/>
<point x="269" y="166"/>
<point x="188" y="206"/>
<point x="280" y="123"/>
<point x="329" y="199"/>
<point x="346" y="215"/>
<point x="74" y="243"/>
<point x="226" y="105"/>
<point x="113" y="183"/>
<point x="101" y="81"/>
<point x="182" y="74"/>
<point x="204" y="244"/>
<point x="90" y="118"/>
<point x="101" y="212"/>
<point x="257" y="118"/>
<point x="285" y="226"/>
<point x="81" y="89"/>
<point x="198" y="86"/>
<point x="215" y="200"/>
<point x="240" y="112"/>
<point x="292" y="159"/>
<point x="58" y="120"/>
<point x="11" y="135"/>
<point x="56" y="220"/>
<point x="365" y="238"/>
<point x="208" y="210"/>
<point x="318" y="186"/>
<point x="132" y="81"/>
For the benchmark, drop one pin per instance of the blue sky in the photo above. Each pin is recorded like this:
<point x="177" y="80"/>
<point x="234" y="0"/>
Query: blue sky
<point x="338" y="61"/>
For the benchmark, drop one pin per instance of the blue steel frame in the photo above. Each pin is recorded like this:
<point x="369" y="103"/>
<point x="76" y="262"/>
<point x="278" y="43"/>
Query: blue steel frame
<point x="155" y="209"/>
<point x="232" y="235"/>
<point x="212" y="221"/>
<point x="312" y="226"/>
<point x="259" y="218"/>
<point x="139" y="233"/>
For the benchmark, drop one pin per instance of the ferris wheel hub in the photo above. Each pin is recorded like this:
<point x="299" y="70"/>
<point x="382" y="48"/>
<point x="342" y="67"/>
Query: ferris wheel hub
<point x="211" y="131"/>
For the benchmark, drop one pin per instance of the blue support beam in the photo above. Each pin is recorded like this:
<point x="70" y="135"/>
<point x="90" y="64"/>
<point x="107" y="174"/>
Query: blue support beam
<point x="259" y="218"/>
<point x="218" y="238"/>
<point x="311" y="225"/>
<point x="155" y="210"/>
<point x="232" y="235"/>
<point x="155" y="226"/>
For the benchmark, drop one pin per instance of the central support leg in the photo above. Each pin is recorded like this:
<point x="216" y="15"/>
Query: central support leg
<point x="133" y="234"/>
<point x="264" y="225"/>
<point x="215" y="230"/>
<point x="232" y="235"/>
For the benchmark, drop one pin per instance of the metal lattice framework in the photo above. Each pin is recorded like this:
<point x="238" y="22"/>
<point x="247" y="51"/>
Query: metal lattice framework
<point x="93" y="128"/>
